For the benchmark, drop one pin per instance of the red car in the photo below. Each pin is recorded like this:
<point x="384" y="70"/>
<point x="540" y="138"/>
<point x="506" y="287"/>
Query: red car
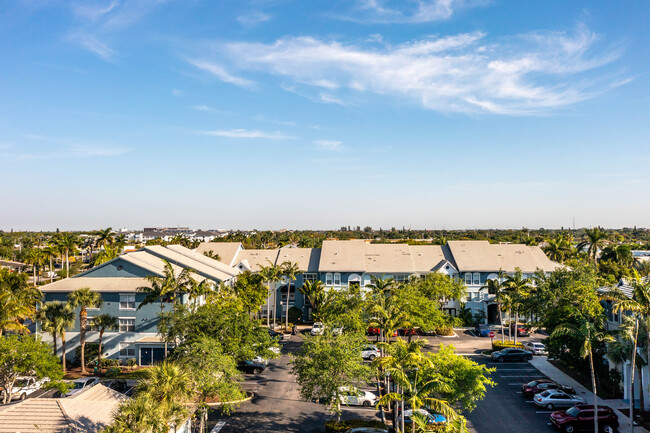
<point x="377" y="331"/>
<point x="581" y="417"/>
<point x="536" y="386"/>
<point x="407" y="332"/>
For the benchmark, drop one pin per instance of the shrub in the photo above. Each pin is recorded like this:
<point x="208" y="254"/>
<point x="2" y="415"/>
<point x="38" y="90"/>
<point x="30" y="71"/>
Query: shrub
<point x="110" y="362"/>
<point x="295" y="313"/>
<point x="444" y="330"/>
<point x="498" y="344"/>
<point x="90" y="354"/>
<point x="333" y="426"/>
<point x="113" y="372"/>
<point x="131" y="362"/>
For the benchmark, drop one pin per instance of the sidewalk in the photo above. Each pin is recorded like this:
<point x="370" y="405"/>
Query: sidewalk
<point x="554" y="373"/>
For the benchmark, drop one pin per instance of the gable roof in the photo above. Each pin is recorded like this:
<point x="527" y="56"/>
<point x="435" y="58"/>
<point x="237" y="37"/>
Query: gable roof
<point x="306" y="258"/>
<point x="227" y="250"/>
<point x="481" y="256"/>
<point x="187" y="258"/>
<point x="257" y="258"/>
<point x="88" y="411"/>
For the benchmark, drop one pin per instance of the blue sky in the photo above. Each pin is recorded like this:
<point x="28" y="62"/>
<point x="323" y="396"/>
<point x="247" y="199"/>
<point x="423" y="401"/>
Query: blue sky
<point x="317" y="114"/>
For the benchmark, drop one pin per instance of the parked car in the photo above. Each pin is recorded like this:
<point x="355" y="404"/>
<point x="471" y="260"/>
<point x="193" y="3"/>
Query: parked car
<point x="553" y="398"/>
<point x="370" y="352"/>
<point x="535" y="348"/>
<point x="337" y="331"/>
<point x="406" y="332"/>
<point x="432" y="418"/>
<point x="260" y="360"/>
<point x="117" y="385"/>
<point x="81" y="384"/>
<point x="512" y="354"/>
<point x="482" y="330"/>
<point x="357" y="397"/>
<point x="251" y="367"/>
<point x="377" y="331"/>
<point x="536" y="386"/>
<point x="581" y="417"/>
<point x="522" y="331"/>
<point x="317" y="329"/>
<point x="276" y="335"/>
<point x="24" y="386"/>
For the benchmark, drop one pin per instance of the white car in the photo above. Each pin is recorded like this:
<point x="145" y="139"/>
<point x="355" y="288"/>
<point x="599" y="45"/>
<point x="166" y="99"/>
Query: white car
<point x="357" y="397"/>
<point x="260" y="360"/>
<point x="24" y="386"/>
<point x="535" y="348"/>
<point x="81" y="384"/>
<point x="370" y="352"/>
<point x="317" y="329"/>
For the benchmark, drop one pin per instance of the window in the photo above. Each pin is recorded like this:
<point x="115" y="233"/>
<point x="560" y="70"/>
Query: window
<point x="328" y="279"/>
<point x="127" y="302"/>
<point x="89" y="323"/>
<point x="477" y="278"/>
<point x="400" y="278"/>
<point x="477" y="296"/>
<point x="337" y="279"/>
<point x="127" y="324"/>
<point x="468" y="279"/>
<point x="309" y="277"/>
<point x="127" y="350"/>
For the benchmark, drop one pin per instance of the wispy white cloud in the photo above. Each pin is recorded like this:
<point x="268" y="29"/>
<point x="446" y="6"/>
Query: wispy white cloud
<point x="407" y="11"/>
<point x="526" y="74"/>
<point x="177" y="92"/>
<point x="331" y="145"/>
<point x="245" y="133"/>
<point x="92" y="44"/>
<point x="253" y="19"/>
<point x="219" y="72"/>
<point x="208" y="109"/>
<point x="92" y="10"/>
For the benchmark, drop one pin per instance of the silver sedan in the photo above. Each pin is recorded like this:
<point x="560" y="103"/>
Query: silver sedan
<point x="553" y="398"/>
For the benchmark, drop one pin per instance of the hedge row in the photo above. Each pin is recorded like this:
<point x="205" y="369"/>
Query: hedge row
<point x="333" y="426"/>
<point x="498" y="345"/>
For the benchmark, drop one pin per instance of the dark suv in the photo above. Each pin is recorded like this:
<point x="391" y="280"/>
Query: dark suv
<point x="581" y="417"/>
<point x="511" y="354"/>
<point x="536" y="386"/>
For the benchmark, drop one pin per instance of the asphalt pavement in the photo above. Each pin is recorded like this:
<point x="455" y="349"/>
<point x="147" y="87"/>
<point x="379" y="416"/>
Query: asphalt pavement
<point x="504" y="408"/>
<point x="277" y="406"/>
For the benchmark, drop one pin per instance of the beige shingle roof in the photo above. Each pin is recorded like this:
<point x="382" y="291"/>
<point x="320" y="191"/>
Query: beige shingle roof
<point x="257" y="258"/>
<point x="187" y="258"/>
<point x="226" y="250"/>
<point x="306" y="258"/>
<point x="88" y="411"/>
<point x="481" y="256"/>
<point x="104" y="284"/>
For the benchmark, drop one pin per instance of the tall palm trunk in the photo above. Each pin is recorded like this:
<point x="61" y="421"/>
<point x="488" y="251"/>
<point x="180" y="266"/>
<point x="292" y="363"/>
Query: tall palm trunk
<point x="99" y="354"/>
<point x="501" y="321"/>
<point x="67" y="264"/>
<point x="641" y="388"/>
<point x="593" y="386"/>
<point x="51" y="270"/>
<point x="286" y="324"/>
<point x="636" y="334"/>
<point x="516" y="324"/>
<point x="83" y="321"/>
<point x="63" y="347"/>
<point x="54" y="345"/>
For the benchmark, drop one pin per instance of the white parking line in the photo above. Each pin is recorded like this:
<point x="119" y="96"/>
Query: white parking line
<point x="218" y="427"/>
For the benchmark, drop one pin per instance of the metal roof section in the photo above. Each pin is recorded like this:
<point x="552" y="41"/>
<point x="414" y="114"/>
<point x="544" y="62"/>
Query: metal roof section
<point x="103" y="284"/>
<point x="186" y="258"/>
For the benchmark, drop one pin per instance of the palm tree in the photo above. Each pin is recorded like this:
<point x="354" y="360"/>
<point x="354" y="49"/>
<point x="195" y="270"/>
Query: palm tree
<point x="55" y="318"/>
<point x="67" y="243"/>
<point x="106" y="255"/>
<point x="169" y="285"/>
<point x="17" y="301"/>
<point x="314" y="291"/>
<point x="386" y="315"/>
<point x="35" y="258"/>
<point x="382" y="285"/>
<point x="290" y="271"/>
<point x="516" y="287"/>
<point x="101" y="323"/>
<point x="271" y="274"/>
<point x="170" y="386"/>
<point x="49" y="253"/>
<point x="138" y="415"/>
<point x="595" y="239"/>
<point x="104" y="237"/>
<point x="196" y="290"/>
<point x="84" y="298"/>
<point x="589" y="334"/>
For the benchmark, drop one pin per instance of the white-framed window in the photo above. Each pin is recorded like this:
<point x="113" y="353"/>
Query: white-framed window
<point x="309" y="276"/>
<point x="468" y="279"/>
<point x="127" y="324"/>
<point x="89" y="322"/>
<point x="328" y="279"/>
<point x="477" y="296"/>
<point x="127" y="350"/>
<point x="127" y="301"/>
<point x="337" y="279"/>
<point x="477" y="278"/>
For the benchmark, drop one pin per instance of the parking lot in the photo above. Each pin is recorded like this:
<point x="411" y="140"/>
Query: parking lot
<point x="504" y="408"/>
